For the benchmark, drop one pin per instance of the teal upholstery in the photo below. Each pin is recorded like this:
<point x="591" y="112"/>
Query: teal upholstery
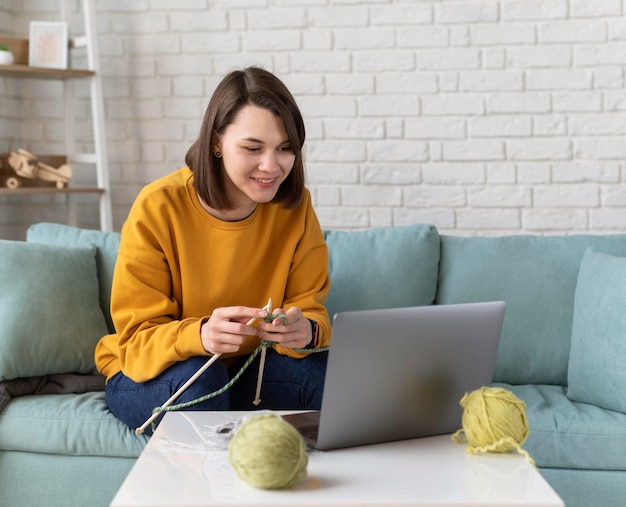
<point x="106" y="244"/>
<point x="382" y="268"/>
<point x="72" y="424"/>
<point x="536" y="277"/>
<point x="70" y="450"/>
<point x="587" y="488"/>
<point x="567" y="434"/>
<point x="47" y="480"/>
<point x="50" y="317"/>
<point x="597" y="364"/>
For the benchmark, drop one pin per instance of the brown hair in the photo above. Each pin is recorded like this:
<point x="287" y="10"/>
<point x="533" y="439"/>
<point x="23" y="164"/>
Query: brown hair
<point x="250" y="86"/>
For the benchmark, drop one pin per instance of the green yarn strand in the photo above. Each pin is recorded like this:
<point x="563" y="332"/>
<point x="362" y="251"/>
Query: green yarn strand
<point x="230" y="383"/>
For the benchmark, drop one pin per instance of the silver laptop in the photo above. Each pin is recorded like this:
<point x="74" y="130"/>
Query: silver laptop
<point x="400" y="373"/>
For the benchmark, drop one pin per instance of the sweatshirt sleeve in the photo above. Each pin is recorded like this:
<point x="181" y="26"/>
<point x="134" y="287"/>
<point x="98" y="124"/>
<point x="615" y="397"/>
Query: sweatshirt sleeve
<point x="150" y="335"/>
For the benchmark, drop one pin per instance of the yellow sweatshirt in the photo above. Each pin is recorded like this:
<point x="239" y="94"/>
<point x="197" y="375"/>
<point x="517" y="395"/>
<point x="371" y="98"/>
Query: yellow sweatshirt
<point x="177" y="263"/>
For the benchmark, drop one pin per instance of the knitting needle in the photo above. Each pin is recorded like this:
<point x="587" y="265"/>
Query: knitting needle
<point x="259" y="380"/>
<point x="192" y="379"/>
<point x="257" y="399"/>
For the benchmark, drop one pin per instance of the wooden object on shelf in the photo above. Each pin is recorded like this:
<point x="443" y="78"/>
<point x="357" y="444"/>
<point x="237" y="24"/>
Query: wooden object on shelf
<point x="30" y="186"/>
<point x="11" y="181"/>
<point x="27" y="165"/>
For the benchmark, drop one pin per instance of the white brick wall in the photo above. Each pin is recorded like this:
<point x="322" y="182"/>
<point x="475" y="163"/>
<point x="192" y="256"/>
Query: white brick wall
<point x="479" y="116"/>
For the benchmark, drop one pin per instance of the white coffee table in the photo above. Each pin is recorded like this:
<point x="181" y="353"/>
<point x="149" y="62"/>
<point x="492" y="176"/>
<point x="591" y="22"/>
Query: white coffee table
<point x="177" y="469"/>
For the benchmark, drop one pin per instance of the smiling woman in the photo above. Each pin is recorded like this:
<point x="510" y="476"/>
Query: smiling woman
<point x="257" y="158"/>
<point x="204" y="247"/>
<point x="263" y="91"/>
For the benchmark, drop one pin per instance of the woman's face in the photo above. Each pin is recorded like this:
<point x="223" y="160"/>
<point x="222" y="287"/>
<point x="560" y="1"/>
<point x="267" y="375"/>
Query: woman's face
<point x="257" y="157"/>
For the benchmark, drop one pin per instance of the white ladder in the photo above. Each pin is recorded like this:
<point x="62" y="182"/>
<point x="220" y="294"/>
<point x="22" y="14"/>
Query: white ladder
<point x="99" y="156"/>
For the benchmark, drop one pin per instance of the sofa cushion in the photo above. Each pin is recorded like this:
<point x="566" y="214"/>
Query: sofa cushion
<point x="568" y="434"/>
<point x="382" y="267"/>
<point x="596" y="373"/>
<point x="70" y="424"/>
<point x="536" y="277"/>
<point x="54" y="480"/>
<point x="587" y="488"/>
<point x="106" y="244"/>
<point x="50" y="317"/>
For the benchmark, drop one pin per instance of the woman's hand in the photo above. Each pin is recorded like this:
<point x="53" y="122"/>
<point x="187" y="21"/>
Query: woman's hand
<point x="296" y="333"/>
<point x="227" y="328"/>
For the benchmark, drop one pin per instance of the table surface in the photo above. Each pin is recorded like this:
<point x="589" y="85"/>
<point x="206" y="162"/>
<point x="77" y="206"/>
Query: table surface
<point x="184" y="465"/>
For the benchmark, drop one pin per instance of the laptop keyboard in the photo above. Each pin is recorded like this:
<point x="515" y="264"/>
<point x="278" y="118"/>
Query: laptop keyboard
<point x="309" y="432"/>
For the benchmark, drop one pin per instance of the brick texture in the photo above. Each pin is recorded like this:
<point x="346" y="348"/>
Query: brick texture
<point x="479" y="116"/>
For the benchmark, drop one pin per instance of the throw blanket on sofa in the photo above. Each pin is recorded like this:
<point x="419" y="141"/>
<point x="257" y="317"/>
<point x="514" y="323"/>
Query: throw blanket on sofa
<point x="65" y="383"/>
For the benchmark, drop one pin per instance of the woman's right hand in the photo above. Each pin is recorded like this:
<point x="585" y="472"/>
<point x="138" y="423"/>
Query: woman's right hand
<point x="227" y="328"/>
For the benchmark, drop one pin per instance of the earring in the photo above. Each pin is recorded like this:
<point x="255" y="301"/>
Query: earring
<point x="218" y="154"/>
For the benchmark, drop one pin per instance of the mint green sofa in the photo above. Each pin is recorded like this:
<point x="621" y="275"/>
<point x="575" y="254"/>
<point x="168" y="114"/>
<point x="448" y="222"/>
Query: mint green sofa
<point x="562" y="347"/>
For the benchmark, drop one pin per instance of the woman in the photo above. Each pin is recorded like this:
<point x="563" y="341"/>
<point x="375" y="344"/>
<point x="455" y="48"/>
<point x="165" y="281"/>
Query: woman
<point x="202" y="251"/>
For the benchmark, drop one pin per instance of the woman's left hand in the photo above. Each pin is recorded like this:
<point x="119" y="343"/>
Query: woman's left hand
<point x="295" y="333"/>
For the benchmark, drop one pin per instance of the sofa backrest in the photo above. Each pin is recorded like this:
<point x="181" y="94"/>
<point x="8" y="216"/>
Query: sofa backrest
<point x="376" y="268"/>
<point x="106" y="243"/>
<point x="413" y="265"/>
<point x="536" y="277"/>
<point x="382" y="267"/>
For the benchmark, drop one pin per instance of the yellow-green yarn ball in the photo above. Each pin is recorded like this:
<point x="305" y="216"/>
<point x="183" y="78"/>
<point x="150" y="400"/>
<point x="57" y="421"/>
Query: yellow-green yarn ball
<point x="267" y="452"/>
<point x="494" y="420"/>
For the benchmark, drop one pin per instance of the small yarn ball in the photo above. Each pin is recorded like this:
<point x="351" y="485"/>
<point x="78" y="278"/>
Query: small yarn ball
<point x="268" y="453"/>
<point x="494" y="420"/>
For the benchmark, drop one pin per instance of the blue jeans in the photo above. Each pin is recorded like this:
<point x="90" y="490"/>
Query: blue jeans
<point x="288" y="384"/>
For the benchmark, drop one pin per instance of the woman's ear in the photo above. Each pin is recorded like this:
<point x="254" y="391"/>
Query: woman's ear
<point x="216" y="143"/>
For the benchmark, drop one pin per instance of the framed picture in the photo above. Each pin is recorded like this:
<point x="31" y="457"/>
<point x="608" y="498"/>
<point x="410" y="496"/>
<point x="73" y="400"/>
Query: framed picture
<point x="48" y="44"/>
